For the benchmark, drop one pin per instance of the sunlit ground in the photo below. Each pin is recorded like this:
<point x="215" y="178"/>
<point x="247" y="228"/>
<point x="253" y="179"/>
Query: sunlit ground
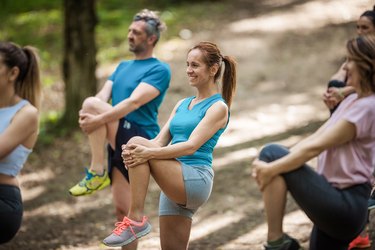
<point x="254" y="122"/>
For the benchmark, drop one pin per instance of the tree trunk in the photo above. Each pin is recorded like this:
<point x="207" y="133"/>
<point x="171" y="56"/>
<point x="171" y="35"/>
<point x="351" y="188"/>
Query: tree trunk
<point x="79" y="57"/>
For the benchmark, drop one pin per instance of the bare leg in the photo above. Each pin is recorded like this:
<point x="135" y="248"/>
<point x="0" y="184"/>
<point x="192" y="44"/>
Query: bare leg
<point x="97" y="140"/>
<point x="99" y="137"/>
<point x="167" y="174"/>
<point x="174" y="232"/>
<point x="274" y="198"/>
<point x="140" y="177"/>
<point x="121" y="199"/>
<point x="120" y="193"/>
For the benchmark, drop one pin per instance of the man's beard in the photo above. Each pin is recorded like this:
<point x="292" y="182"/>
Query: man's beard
<point x="137" y="48"/>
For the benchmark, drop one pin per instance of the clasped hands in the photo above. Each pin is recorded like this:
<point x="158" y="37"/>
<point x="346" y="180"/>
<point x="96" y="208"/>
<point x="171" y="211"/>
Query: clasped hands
<point x="332" y="97"/>
<point x="261" y="172"/>
<point x="134" y="155"/>
<point x="88" y="122"/>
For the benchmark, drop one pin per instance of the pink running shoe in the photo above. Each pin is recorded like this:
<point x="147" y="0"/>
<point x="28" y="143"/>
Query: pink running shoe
<point x="127" y="231"/>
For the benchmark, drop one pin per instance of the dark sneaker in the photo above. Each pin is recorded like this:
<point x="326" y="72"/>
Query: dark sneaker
<point x="288" y="244"/>
<point x="127" y="231"/>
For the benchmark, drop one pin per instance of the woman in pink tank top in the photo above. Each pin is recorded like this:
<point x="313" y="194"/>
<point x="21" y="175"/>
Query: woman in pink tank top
<point x="335" y="196"/>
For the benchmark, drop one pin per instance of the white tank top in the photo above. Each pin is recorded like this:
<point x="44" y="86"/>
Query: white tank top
<point x="13" y="162"/>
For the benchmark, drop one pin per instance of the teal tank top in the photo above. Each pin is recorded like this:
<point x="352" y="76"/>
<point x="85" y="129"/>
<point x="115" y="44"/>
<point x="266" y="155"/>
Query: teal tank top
<point x="13" y="162"/>
<point x="184" y="122"/>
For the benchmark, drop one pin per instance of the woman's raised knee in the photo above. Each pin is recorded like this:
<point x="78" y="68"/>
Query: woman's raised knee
<point x="138" y="140"/>
<point x="272" y="152"/>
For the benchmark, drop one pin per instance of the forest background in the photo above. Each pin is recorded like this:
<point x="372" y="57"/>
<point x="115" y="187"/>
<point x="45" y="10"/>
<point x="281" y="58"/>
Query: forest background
<point x="286" y="52"/>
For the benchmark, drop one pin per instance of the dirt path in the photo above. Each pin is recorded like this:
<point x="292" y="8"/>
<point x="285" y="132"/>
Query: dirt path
<point x="286" y="51"/>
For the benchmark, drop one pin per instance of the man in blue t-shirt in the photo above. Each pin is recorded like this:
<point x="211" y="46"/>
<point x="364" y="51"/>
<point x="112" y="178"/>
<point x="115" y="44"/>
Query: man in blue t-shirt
<point x="136" y="90"/>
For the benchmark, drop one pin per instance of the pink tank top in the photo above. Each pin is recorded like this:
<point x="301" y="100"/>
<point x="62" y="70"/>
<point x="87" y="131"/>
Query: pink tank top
<point x="353" y="162"/>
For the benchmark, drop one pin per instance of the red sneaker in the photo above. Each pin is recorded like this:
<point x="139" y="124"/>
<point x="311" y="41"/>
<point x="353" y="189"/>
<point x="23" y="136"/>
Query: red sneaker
<point x="360" y="242"/>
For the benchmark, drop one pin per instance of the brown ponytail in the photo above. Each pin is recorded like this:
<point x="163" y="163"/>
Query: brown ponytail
<point x="212" y="56"/>
<point x="229" y="79"/>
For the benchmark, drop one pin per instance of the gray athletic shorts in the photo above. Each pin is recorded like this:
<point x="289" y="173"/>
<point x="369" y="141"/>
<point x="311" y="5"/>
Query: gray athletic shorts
<point x="198" y="185"/>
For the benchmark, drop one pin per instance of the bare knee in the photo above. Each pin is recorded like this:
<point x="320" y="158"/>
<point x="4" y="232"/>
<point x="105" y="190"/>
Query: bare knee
<point x="90" y="104"/>
<point x="138" y="140"/>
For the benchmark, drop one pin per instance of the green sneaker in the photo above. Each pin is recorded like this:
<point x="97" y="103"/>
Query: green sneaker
<point x="90" y="183"/>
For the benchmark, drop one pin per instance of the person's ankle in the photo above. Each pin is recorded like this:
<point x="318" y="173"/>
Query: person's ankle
<point x="281" y="240"/>
<point x="137" y="217"/>
<point x="97" y="171"/>
<point x="275" y="241"/>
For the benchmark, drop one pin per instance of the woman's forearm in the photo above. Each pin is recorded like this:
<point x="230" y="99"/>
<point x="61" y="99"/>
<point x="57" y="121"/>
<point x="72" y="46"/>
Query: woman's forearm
<point x="295" y="159"/>
<point x="173" y="151"/>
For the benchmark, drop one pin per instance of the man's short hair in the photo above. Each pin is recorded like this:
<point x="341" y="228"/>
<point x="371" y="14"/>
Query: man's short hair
<point x="154" y="25"/>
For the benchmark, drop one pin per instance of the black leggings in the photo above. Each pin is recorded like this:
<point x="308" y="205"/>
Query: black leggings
<point x="11" y="210"/>
<point x="339" y="215"/>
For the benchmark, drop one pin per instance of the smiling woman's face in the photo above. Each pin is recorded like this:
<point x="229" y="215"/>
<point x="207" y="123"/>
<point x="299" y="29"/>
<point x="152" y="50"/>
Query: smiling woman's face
<point x="196" y="69"/>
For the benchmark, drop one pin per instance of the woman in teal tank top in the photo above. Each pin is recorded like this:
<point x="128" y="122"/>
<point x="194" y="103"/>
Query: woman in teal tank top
<point x="19" y="102"/>
<point x="180" y="157"/>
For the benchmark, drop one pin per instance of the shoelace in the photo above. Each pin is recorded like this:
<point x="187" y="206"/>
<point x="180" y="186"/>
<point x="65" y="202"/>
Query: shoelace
<point x="123" y="225"/>
<point x="86" y="178"/>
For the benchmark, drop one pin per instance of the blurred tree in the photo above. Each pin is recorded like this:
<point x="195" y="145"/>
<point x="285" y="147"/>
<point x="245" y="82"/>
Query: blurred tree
<point x="79" y="62"/>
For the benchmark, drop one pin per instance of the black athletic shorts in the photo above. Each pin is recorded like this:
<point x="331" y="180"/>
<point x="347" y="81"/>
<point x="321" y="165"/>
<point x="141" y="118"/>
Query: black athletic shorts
<point x="125" y="132"/>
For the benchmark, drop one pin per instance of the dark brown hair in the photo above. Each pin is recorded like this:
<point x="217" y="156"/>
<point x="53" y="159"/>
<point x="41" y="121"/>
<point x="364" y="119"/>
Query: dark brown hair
<point x="27" y="84"/>
<point x="370" y="14"/>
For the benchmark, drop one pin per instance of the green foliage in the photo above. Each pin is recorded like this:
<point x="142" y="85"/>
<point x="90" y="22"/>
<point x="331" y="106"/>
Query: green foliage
<point x="40" y="23"/>
<point x="50" y="128"/>
<point x="11" y="7"/>
<point x="41" y="29"/>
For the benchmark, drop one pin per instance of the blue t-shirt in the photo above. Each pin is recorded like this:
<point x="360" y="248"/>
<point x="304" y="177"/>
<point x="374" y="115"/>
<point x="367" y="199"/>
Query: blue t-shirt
<point x="128" y="75"/>
<point x="185" y="121"/>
